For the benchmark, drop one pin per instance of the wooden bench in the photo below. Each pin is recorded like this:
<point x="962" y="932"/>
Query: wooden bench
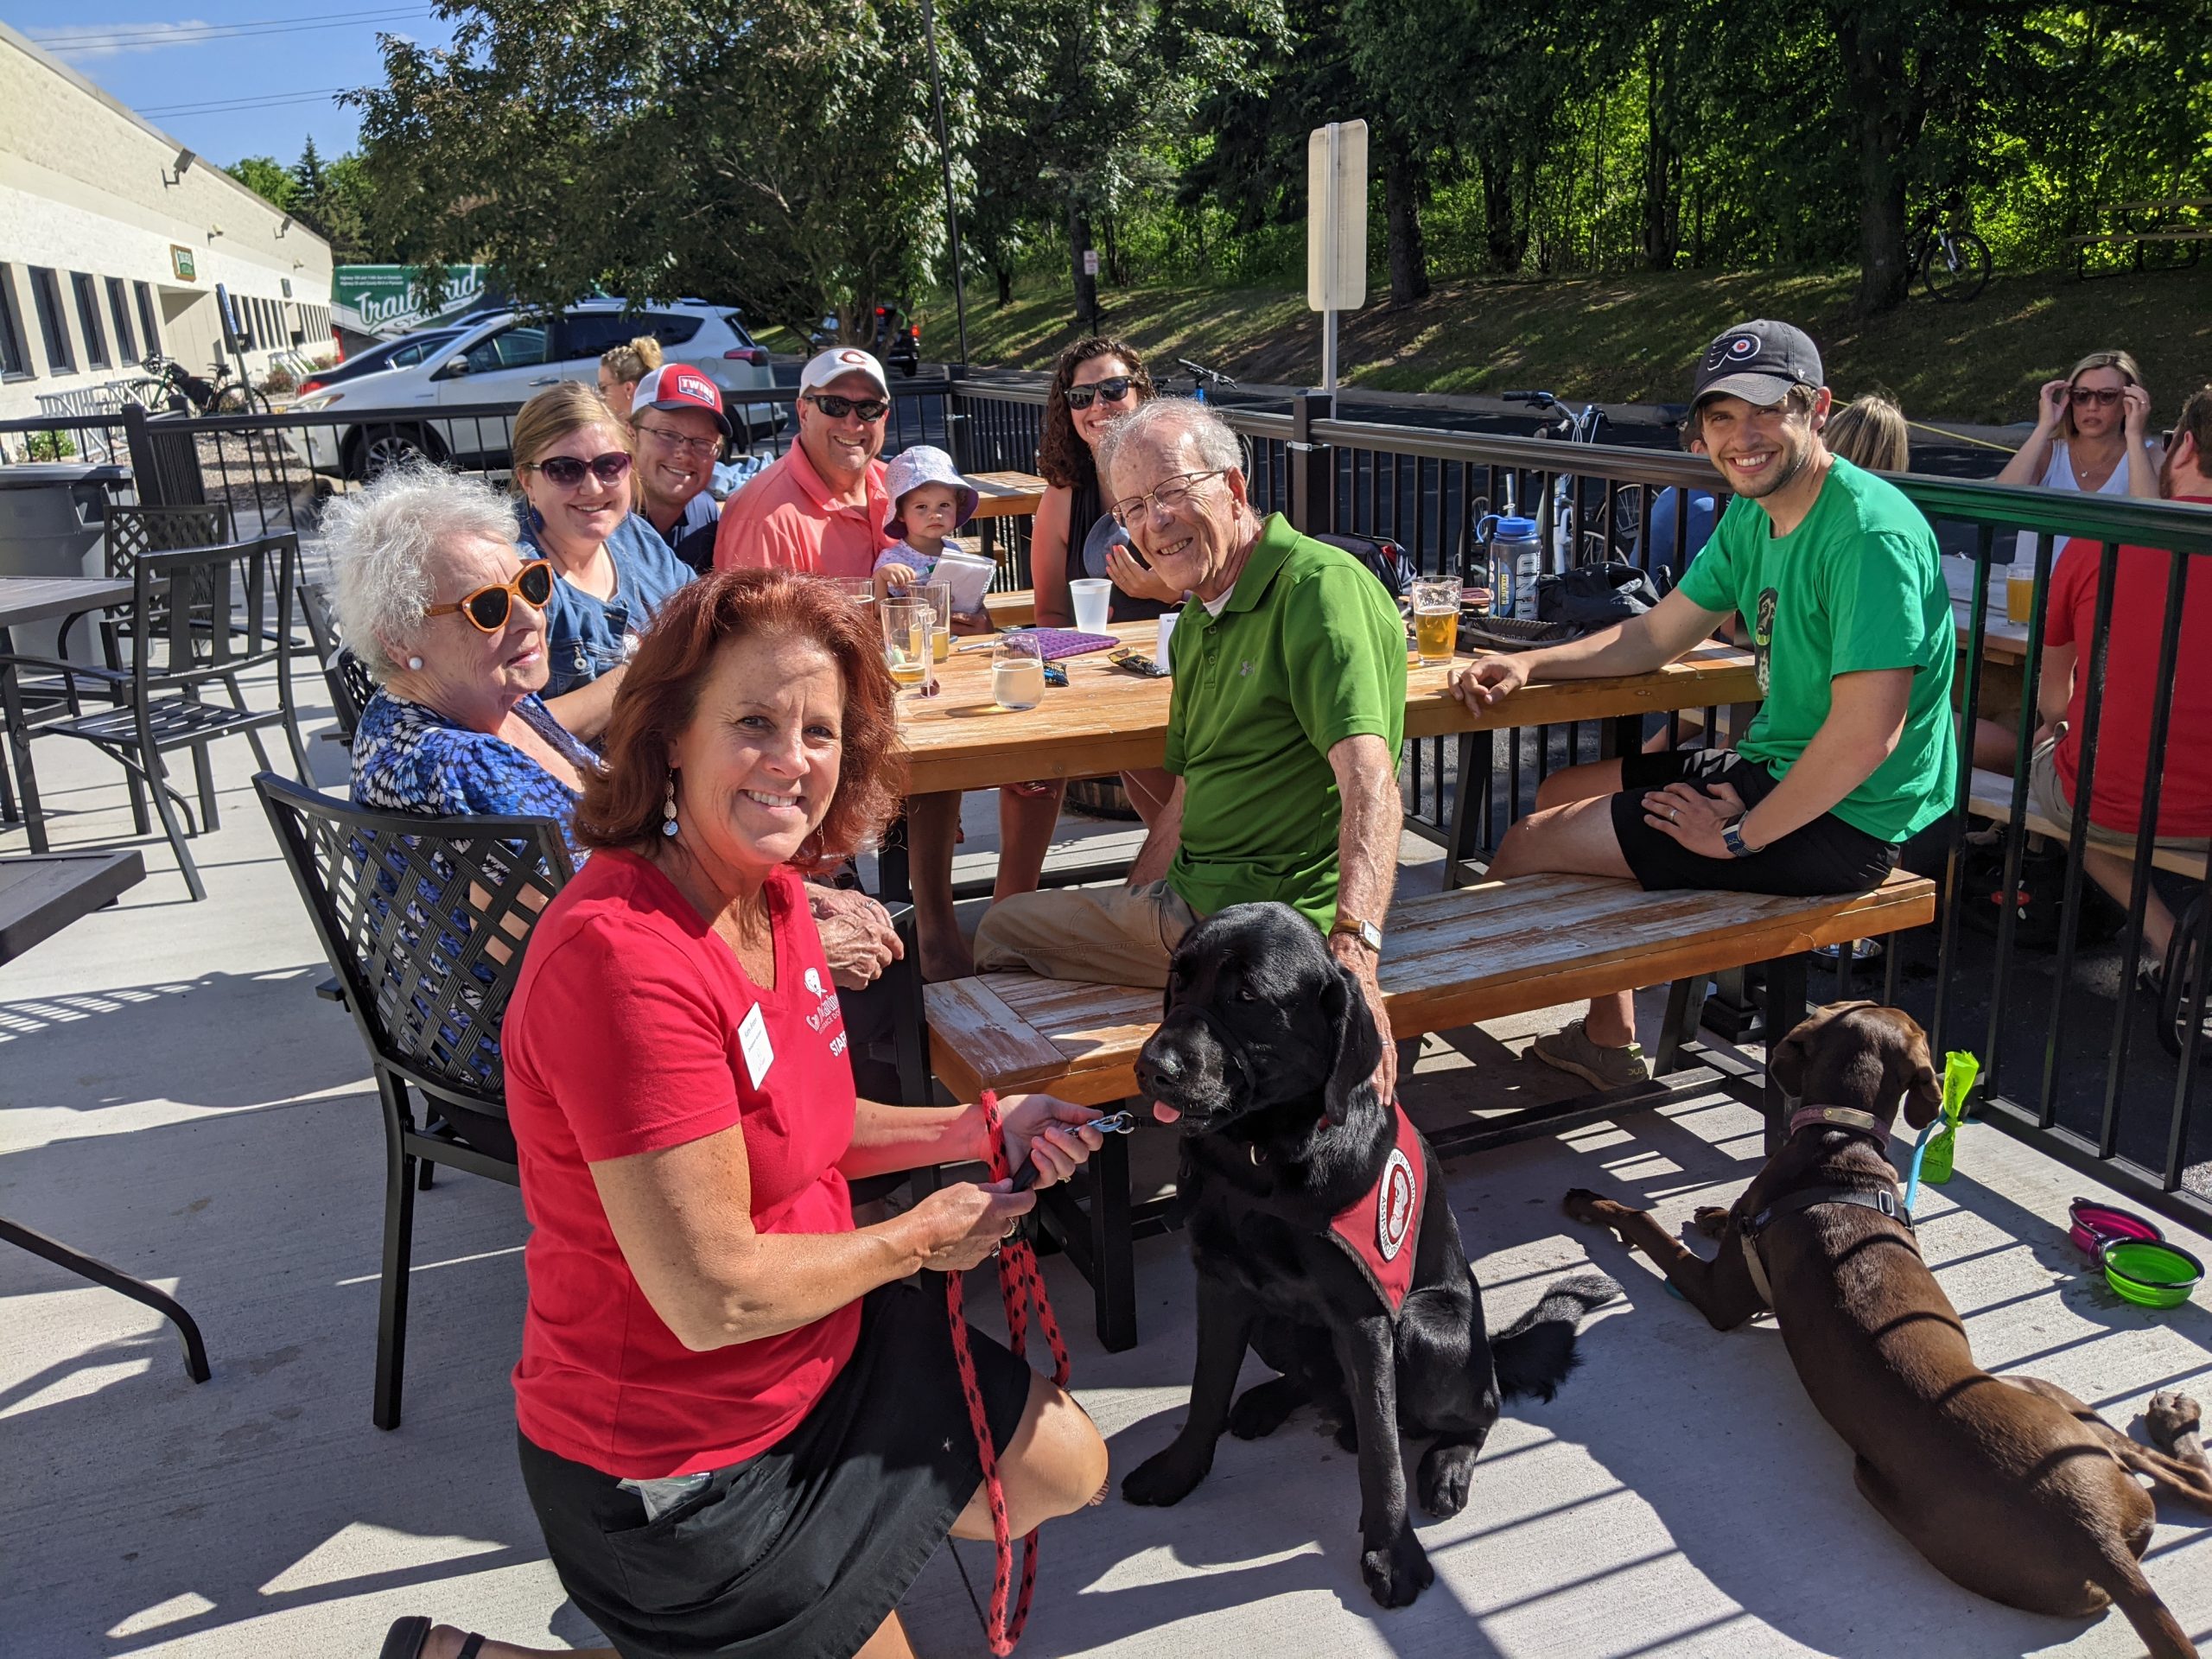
<point x="2172" y="221"/>
<point x="1449" y="959"/>
<point x="1990" y="796"/>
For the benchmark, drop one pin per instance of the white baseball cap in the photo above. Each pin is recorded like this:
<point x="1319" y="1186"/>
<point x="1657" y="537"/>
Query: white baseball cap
<point x="839" y="361"/>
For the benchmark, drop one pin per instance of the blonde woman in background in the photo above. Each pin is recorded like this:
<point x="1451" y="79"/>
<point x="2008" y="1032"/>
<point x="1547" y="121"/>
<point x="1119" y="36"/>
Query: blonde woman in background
<point x="1870" y="432"/>
<point x="573" y="465"/>
<point x="620" y="368"/>
<point x="2093" y="433"/>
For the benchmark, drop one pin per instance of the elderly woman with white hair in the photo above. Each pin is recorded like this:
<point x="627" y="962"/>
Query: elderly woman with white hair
<point x="436" y="600"/>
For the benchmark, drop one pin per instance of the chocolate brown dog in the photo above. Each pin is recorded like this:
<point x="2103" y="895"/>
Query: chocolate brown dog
<point x="2010" y="1485"/>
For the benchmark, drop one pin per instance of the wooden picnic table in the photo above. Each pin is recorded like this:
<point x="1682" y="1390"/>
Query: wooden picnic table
<point x="39" y="896"/>
<point x="1007" y="495"/>
<point x="1106" y="721"/>
<point x="25" y="600"/>
<point x="2004" y="641"/>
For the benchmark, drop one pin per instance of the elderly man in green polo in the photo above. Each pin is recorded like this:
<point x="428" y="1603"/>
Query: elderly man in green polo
<point x="1283" y="735"/>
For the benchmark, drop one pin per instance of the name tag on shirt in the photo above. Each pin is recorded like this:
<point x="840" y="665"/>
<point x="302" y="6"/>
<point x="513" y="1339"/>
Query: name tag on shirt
<point x="753" y="1042"/>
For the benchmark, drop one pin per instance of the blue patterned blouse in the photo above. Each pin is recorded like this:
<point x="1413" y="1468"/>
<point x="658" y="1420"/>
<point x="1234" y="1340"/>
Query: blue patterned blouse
<point x="408" y="758"/>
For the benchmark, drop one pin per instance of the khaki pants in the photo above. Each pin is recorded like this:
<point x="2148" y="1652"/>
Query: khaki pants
<point x="2047" y="794"/>
<point x="1102" y="935"/>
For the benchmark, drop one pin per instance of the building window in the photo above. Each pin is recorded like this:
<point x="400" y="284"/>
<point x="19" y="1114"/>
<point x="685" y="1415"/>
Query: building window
<point x="53" y="327"/>
<point x="14" y="358"/>
<point x="88" y="318"/>
<point x="118" y="308"/>
<point x="148" y="323"/>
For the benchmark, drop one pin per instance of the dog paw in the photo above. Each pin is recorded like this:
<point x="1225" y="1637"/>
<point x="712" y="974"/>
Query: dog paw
<point x="2170" y="1415"/>
<point x="1584" y="1206"/>
<point x="1711" y="1220"/>
<point x="1397" y="1572"/>
<point x="1261" y="1409"/>
<point x="1446" y="1473"/>
<point x="1166" y="1477"/>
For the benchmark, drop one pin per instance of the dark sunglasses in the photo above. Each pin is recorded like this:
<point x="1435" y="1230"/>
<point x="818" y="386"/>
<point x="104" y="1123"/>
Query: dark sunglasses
<point x="837" y="408"/>
<point x="568" y="472"/>
<point x="487" y="608"/>
<point x="2095" y="397"/>
<point x="1112" y="390"/>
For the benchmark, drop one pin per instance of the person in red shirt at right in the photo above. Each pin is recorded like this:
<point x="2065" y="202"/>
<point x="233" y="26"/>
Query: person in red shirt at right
<point x="2131" y="691"/>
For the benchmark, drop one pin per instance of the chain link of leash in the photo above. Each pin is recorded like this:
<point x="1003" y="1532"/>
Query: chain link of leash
<point x="1019" y="1285"/>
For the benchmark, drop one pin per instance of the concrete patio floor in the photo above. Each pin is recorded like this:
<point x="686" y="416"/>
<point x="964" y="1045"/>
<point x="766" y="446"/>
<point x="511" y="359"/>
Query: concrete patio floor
<point x="173" y="1098"/>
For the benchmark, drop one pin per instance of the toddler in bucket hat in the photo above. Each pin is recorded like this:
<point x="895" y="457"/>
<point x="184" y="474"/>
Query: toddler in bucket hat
<point x="929" y="501"/>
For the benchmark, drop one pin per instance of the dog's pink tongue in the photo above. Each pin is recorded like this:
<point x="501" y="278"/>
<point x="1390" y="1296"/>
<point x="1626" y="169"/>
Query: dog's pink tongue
<point x="1164" y="1112"/>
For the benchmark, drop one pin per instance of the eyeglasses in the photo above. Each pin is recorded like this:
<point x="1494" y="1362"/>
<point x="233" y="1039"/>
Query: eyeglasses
<point x="568" y="472"/>
<point x="837" y="408"/>
<point x="2095" y="397"/>
<point x="1168" y="497"/>
<point x="1113" y="390"/>
<point x="671" y="439"/>
<point x="487" y="609"/>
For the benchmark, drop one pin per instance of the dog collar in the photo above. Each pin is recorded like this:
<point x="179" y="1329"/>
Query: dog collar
<point x="1841" y="1117"/>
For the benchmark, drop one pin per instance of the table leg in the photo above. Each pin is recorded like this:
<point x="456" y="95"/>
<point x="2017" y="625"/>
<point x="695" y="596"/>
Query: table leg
<point x="114" y="1279"/>
<point x="1785" y="1007"/>
<point x="894" y="885"/>
<point x="19" y="745"/>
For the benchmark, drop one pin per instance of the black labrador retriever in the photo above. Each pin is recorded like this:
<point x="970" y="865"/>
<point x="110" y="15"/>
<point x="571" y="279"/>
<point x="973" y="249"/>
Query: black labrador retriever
<point x="1323" y="1239"/>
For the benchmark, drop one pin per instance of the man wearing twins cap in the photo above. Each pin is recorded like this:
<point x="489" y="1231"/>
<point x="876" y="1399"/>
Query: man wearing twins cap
<point x="1838" y="579"/>
<point x="820" y="507"/>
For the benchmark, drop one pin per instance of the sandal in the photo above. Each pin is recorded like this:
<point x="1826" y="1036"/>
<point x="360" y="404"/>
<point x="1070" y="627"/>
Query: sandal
<point x="405" y="1638"/>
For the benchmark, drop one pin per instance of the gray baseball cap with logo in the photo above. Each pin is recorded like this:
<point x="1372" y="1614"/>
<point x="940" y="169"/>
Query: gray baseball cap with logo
<point x="1759" y="362"/>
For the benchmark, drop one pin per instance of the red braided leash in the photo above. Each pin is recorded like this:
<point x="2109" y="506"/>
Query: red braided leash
<point x="1020" y="1284"/>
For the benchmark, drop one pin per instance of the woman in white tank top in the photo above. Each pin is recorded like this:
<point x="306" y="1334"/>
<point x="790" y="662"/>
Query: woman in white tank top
<point x="2091" y="434"/>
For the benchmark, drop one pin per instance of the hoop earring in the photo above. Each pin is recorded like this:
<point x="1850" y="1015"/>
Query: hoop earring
<point x="668" y="809"/>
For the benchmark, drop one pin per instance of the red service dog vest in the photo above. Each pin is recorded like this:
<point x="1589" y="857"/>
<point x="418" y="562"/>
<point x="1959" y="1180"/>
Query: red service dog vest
<point x="1378" y="1230"/>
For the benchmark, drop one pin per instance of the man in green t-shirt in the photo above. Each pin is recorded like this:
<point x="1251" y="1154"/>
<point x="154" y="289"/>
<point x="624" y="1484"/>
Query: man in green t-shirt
<point x="1289" y="706"/>
<point x="1837" y="577"/>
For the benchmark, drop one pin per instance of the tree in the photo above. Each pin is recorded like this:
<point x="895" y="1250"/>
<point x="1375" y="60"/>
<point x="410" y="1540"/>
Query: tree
<point x="266" y="178"/>
<point x="775" y="152"/>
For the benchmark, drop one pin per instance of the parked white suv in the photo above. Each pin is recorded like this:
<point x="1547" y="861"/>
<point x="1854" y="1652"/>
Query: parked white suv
<point x="506" y="358"/>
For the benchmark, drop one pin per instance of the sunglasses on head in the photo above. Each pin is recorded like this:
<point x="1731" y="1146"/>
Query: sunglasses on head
<point x="2095" y="397"/>
<point x="1113" y="390"/>
<point x="568" y="472"/>
<point x="837" y="408"/>
<point x="487" y="609"/>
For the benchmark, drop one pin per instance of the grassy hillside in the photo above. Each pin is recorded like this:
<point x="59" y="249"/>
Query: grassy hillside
<point x="1633" y="338"/>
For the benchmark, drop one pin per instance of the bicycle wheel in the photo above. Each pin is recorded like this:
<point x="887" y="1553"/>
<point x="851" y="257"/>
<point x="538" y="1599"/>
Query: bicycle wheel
<point x="1954" y="267"/>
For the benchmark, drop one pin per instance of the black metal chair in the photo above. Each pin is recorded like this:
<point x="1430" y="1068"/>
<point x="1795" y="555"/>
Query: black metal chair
<point x="343" y="673"/>
<point x="425" y="922"/>
<point x="202" y="617"/>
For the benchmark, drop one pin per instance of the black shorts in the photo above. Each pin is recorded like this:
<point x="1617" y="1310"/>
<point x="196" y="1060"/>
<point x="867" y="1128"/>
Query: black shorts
<point x="1827" y="856"/>
<point x="804" y="1550"/>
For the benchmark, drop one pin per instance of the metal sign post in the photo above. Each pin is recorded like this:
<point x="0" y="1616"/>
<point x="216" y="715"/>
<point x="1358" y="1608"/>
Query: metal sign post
<point x="1335" y="231"/>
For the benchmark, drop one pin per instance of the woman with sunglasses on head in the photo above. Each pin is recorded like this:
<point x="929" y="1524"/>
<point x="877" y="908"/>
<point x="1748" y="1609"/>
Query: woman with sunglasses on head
<point x="573" y="464"/>
<point x="436" y="600"/>
<point x="2091" y="432"/>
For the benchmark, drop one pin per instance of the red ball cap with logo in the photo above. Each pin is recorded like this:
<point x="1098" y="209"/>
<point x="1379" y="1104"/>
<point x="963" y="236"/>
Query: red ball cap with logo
<point x="1758" y="362"/>
<point x="836" y="363"/>
<point x="678" y="386"/>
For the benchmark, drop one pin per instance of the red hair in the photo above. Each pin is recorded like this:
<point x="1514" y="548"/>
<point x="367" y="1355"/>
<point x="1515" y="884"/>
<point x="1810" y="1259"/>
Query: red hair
<point x="660" y="696"/>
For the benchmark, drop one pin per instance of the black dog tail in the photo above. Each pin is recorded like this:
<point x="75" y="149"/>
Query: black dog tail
<point x="1536" y="1352"/>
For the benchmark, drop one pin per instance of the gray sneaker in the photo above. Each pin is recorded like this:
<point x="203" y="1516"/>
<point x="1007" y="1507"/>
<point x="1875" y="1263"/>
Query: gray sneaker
<point x="1571" y="1050"/>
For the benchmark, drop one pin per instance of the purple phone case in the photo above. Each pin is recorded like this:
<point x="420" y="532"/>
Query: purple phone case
<point x="1056" y="642"/>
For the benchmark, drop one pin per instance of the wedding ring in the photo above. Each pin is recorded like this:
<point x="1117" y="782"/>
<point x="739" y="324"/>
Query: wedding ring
<point x="1010" y="1226"/>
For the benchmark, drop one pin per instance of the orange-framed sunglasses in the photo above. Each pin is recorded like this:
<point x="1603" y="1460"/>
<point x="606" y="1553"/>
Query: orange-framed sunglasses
<point x="487" y="609"/>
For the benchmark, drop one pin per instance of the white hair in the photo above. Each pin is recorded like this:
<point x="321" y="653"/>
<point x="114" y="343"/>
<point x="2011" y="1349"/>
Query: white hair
<point x="1211" y="437"/>
<point x="385" y="541"/>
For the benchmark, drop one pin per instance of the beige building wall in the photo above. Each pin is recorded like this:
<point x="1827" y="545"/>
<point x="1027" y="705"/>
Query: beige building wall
<point x="90" y="190"/>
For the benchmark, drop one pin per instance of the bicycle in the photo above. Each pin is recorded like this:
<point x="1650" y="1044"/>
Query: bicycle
<point x="1952" y="264"/>
<point x="171" y="385"/>
<point x="1203" y="376"/>
<point x="1565" y="425"/>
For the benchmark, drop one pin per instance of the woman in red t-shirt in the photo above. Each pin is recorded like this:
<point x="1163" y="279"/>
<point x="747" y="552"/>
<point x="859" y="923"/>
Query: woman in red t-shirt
<point x="741" y="1422"/>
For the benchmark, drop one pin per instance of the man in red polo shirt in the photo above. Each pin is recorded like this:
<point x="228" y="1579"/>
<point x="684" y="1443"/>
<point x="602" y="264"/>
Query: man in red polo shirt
<point x="822" y="507"/>
<point x="2131" y="691"/>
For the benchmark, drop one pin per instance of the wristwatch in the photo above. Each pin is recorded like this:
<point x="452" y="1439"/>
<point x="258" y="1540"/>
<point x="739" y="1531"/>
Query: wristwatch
<point x="1365" y="932"/>
<point x="1731" y="836"/>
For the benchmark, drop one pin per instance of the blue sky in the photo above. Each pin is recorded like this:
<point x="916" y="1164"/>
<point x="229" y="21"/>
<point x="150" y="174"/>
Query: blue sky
<point x="230" y="78"/>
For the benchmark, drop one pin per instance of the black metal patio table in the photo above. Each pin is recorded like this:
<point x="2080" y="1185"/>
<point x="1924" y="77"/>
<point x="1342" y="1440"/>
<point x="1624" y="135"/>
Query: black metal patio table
<point x="39" y="598"/>
<point x="40" y="896"/>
